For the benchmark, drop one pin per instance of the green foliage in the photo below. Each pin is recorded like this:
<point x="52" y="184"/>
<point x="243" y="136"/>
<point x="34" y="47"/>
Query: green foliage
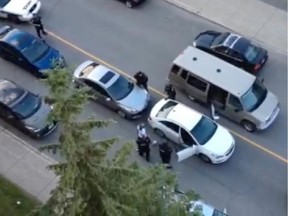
<point x="91" y="184"/>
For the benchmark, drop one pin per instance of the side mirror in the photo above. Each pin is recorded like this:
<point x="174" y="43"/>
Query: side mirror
<point x="108" y="99"/>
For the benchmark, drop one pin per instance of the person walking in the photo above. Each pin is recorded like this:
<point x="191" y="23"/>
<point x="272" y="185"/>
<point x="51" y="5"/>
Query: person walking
<point x="141" y="79"/>
<point x="165" y="152"/>
<point x="144" y="147"/>
<point x="37" y="22"/>
<point x="170" y="91"/>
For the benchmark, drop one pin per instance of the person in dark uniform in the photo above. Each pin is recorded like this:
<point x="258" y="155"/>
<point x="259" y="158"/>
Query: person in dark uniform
<point x="141" y="79"/>
<point x="37" y="22"/>
<point x="165" y="152"/>
<point x="170" y="91"/>
<point x="144" y="147"/>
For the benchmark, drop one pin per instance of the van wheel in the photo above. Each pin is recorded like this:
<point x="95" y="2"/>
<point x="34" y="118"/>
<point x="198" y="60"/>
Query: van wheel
<point x="249" y="126"/>
<point x="205" y="158"/>
<point x="13" y="18"/>
<point x="159" y="133"/>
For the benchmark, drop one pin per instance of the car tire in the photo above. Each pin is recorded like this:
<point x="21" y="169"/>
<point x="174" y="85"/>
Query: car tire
<point x="249" y="126"/>
<point x="13" y="18"/>
<point x="121" y="114"/>
<point x="129" y="4"/>
<point x="159" y="132"/>
<point x="205" y="158"/>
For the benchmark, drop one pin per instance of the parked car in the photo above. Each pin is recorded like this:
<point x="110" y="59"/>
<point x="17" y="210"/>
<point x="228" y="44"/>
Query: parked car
<point x="232" y="48"/>
<point x="17" y="11"/>
<point x="192" y="131"/>
<point x="28" y="51"/>
<point x="112" y="89"/>
<point x="25" y="110"/>
<point x="132" y="3"/>
<point x="206" y="209"/>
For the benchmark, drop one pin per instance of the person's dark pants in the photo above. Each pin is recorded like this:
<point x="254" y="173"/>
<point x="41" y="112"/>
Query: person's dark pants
<point x="143" y="151"/>
<point x="39" y="30"/>
<point x="166" y="159"/>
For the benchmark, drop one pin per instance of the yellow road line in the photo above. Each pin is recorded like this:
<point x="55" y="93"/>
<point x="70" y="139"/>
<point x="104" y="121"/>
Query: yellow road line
<point x="161" y="94"/>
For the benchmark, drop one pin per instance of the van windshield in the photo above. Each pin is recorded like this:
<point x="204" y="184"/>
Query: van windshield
<point x="254" y="97"/>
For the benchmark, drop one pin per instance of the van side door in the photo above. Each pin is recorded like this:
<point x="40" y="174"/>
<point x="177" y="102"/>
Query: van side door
<point x="196" y="88"/>
<point x="178" y="76"/>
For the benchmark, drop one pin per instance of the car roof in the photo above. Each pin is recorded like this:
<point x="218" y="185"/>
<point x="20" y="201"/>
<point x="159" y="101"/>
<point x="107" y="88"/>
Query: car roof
<point x="10" y="92"/>
<point x="100" y="74"/>
<point x="18" y="39"/>
<point x="215" y="71"/>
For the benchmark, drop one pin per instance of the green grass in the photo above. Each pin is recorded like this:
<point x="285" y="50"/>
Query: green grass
<point x="9" y="195"/>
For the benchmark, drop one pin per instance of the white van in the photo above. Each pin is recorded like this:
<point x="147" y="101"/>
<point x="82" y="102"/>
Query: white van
<point x="234" y="93"/>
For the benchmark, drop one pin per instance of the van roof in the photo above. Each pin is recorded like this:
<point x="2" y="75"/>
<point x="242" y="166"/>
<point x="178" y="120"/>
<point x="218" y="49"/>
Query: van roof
<point x="214" y="70"/>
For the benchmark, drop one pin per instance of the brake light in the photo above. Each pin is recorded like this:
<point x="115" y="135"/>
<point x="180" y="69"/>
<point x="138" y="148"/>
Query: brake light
<point x="257" y="66"/>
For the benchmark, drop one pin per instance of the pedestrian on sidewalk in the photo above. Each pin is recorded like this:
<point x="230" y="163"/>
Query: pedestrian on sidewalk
<point x="37" y="22"/>
<point x="141" y="79"/>
<point x="165" y="152"/>
<point x="144" y="147"/>
<point x="170" y="91"/>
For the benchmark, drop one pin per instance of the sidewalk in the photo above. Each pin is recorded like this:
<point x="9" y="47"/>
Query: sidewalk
<point x="251" y="18"/>
<point x="25" y="166"/>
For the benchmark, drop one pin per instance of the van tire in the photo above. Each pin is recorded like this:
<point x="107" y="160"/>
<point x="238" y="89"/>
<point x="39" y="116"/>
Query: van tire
<point x="13" y="18"/>
<point x="249" y="126"/>
<point x="205" y="158"/>
<point x="159" y="133"/>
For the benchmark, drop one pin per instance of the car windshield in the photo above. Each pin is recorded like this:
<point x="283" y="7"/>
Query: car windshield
<point x="220" y="39"/>
<point x="27" y="106"/>
<point x="120" y="88"/>
<point x="204" y="130"/>
<point x="251" y="52"/>
<point x="3" y="3"/>
<point x="35" y="51"/>
<point x="166" y="108"/>
<point x="254" y="97"/>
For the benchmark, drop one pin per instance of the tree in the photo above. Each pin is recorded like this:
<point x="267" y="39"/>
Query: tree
<point x="90" y="183"/>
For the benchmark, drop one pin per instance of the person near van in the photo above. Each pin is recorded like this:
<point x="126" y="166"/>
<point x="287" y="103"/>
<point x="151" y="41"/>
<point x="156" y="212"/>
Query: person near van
<point x="144" y="147"/>
<point x="165" y="152"/>
<point x="170" y="91"/>
<point x="141" y="79"/>
<point x="37" y="22"/>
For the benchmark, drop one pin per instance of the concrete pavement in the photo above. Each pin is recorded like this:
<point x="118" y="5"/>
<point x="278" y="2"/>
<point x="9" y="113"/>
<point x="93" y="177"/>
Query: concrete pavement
<point x="252" y="18"/>
<point x="25" y="166"/>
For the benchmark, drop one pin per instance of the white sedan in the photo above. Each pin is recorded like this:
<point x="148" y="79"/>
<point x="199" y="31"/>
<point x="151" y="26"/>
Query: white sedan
<point x="194" y="132"/>
<point x="19" y="10"/>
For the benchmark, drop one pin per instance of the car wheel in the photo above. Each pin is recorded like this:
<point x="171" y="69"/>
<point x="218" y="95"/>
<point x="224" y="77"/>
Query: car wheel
<point x="205" y="158"/>
<point x="121" y="114"/>
<point x="129" y="4"/>
<point x="249" y="126"/>
<point x="159" y="132"/>
<point x="13" y="18"/>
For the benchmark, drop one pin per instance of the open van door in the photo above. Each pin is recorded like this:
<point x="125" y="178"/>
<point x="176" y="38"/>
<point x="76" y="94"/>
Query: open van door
<point x="186" y="153"/>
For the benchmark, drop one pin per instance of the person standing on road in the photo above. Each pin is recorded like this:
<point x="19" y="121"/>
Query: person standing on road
<point x="144" y="147"/>
<point x="37" y="22"/>
<point x="170" y="91"/>
<point x="165" y="152"/>
<point x="141" y="79"/>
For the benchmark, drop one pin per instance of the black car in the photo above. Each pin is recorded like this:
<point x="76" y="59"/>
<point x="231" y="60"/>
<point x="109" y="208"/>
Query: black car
<point x="132" y="3"/>
<point x="28" y="51"/>
<point x="232" y="48"/>
<point x="25" y="110"/>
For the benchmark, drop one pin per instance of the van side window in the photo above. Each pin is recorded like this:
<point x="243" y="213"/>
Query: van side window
<point x="199" y="84"/>
<point x="175" y="69"/>
<point x="184" y="74"/>
<point x="234" y="101"/>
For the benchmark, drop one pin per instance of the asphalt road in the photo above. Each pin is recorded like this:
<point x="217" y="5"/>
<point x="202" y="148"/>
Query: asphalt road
<point x="149" y="38"/>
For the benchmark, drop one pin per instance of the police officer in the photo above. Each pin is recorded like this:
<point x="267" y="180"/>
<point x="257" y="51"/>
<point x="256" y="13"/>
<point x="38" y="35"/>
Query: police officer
<point x="165" y="152"/>
<point x="170" y="91"/>
<point x="37" y="22"/>
<point x="141" y="79"/>
<point x="144" y="147"/>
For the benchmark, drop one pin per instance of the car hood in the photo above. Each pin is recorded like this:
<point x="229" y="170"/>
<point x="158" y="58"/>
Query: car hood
<point x="267" y="108"/>
<point x="137" y="99"/>
<point x="205" y="39"/>
<point x="21" y="7"/>
<point x="220" y="142"/>
<point x="48" y="61"/>
<point x="39" y="119"/>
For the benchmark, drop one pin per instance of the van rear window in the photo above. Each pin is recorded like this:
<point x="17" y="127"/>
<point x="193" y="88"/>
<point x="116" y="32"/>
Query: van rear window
<point x="166" y="108"/>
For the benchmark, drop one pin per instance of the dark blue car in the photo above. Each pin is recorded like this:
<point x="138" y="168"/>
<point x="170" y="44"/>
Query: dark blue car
<point x="28" y="52"/>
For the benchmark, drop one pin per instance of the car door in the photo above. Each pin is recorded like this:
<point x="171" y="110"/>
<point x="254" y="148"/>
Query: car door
<point x="100" y="94"/>
<point x="171" y="130"/>
<point x="9" y="116"/>
<point x="236" y="58"/>
<point x="222" y="52"/>
<point x="185" y="138"/>
<point x="196" y="88"/>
